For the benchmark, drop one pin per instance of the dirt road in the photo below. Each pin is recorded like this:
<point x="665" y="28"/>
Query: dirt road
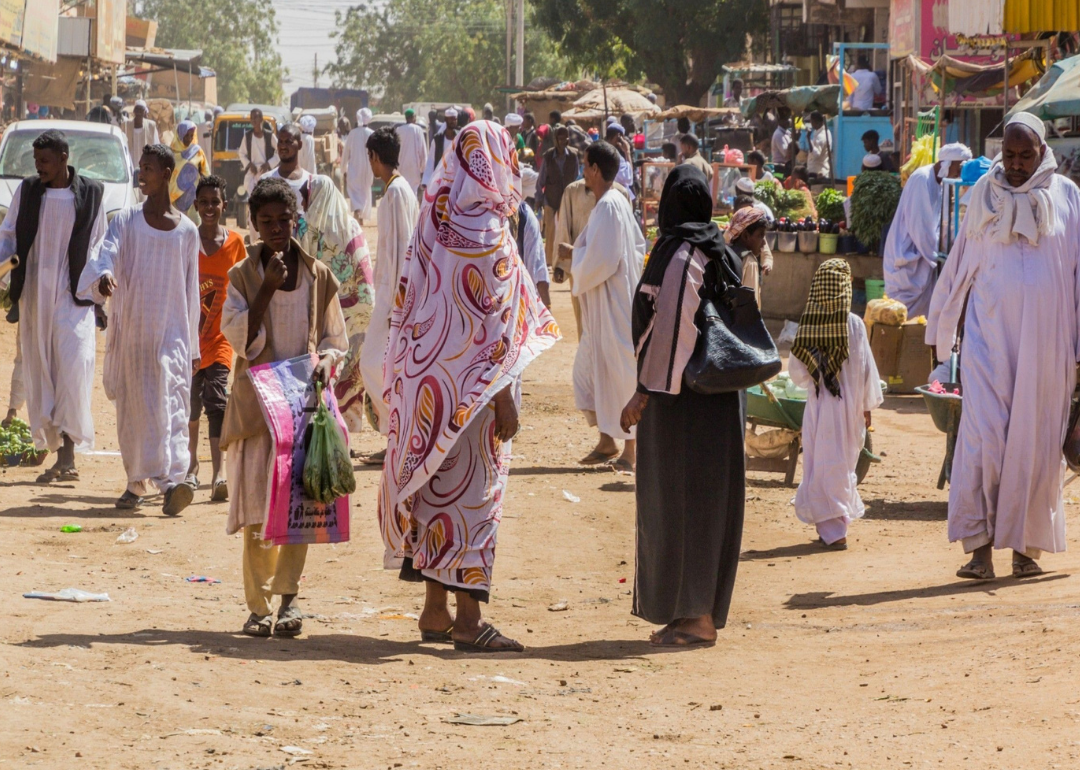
<point x="872" y="658"/>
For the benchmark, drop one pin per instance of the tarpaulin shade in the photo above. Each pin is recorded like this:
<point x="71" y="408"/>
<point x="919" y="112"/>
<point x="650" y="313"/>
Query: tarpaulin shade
<point x="1056" y="95"/>
<point x="695" y="114"/>
<point x="801" y="99"/>
<point x="1042" y="15"/>
<point x="963" y="77"/>
<point x="620" y="101"/>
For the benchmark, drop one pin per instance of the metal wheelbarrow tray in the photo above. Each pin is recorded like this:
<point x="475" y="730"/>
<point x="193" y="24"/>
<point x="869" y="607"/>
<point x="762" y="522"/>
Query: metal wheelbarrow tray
<point x="945" y="410"/>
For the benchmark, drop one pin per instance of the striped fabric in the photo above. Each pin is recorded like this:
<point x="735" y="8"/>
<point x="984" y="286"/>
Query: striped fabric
<point x="822" y="340"/>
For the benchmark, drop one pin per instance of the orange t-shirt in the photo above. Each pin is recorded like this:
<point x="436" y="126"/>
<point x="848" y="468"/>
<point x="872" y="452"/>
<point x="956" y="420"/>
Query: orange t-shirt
<point x="213" y="283"/>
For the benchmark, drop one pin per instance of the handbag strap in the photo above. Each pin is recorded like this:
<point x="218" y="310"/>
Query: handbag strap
<point x="719" y="277"/>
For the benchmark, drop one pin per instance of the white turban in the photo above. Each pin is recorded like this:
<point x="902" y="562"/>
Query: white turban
<point x="1027" y="119"/>
<point x="871" y="160"/>
<point x="363" y="116"/>
<point x="513" y="119"/>
<point x="955" y="151"/>
<point x="451" y="112"/>
<point x="529" y="178"/>
<point x="612" y="119"/>
<point x="141" y="103"/>
<point x="307" y="124"/>
<point x="745" y="185"/>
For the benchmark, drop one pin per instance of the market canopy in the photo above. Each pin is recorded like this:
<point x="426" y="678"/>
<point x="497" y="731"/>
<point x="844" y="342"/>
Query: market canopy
<point x="161" y="59"/>
<point x="1056" y="95"/>
<point x="694" y="114"/>
<point x="964" y="77"/>
<point x="799" y="100"/>
<point x="619" y="101"/>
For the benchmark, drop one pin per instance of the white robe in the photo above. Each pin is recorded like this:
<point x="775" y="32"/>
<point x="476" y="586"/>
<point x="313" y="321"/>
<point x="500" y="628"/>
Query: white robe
<point x="414" y="153"/>
<point x="395" y="219"/>
<point x="354" y="159"/>
<point x="908" y="260"/>
<point x="608" y="258"/>
<point x="1018" y="366"/>
<point x="56" y="336"/>
<point x="152" y="340"/>
<point x="257" y="158"/>
<point x="834" y="430"/>
<point x="306" y="157"/>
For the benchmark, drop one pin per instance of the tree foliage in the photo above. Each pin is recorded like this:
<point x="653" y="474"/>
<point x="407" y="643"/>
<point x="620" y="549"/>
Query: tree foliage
<point x="435" y="50"/>
<point x="238" y="39"/>
<point x="678" y="44"/>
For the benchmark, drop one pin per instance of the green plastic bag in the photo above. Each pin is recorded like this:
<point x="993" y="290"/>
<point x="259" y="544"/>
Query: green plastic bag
<point x="328" y="471"/>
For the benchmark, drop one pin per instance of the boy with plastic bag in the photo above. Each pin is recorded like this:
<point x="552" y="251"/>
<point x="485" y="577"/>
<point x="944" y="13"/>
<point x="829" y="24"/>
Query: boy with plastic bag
<point x="282" y="305"/>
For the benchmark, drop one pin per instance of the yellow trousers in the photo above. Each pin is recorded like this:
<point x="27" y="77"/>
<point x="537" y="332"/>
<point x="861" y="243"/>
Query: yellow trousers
<point x="270" y="570"/>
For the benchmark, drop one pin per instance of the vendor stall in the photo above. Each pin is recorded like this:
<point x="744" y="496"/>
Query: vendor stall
<point x="847" y="128"/>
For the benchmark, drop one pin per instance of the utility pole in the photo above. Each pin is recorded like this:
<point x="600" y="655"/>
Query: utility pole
<point x="509" y="6"/>
<point x="520" y="74"/>
<point x="315" y="71"/>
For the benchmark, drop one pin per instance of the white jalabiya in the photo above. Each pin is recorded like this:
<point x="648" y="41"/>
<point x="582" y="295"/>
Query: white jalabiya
<point x="354" y="159"/>
<point x="414" y="153"/>
<point x="296" y="184"/>
<point x="152" y="340"/>
<point x="248" y="461"/>
<point x="306" y="156"/>
<point x="834" y="430"/>
<point x="608" y="258"/>
<point x="1020" y="349"/>
<point x="395" y="219"/>
<point x="56" y="336"/>
<point x="909" y="258"/>
<point x="257" y="157"/>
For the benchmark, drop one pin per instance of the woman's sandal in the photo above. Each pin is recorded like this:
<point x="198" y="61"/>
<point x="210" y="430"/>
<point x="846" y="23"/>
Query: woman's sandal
<point x="290" y="622"/>
<point x="1026" y="568"/>
<point x="976" y="570"/>
<point x="437" y="636"/>
<point x="673" y="638"/>
<point x="483" y="642"/>
<point x="260" y="626"/>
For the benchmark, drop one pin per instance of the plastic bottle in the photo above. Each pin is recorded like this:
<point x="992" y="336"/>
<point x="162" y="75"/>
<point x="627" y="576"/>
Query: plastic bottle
<point x="129" y="536"/>
<point x="71" y="528"/>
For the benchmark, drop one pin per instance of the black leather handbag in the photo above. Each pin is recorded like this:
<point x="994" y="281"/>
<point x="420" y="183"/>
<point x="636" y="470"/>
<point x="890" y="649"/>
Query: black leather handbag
<point x="734" y="350"/>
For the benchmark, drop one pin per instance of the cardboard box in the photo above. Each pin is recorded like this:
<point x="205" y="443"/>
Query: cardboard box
<point x="903" y="358"/>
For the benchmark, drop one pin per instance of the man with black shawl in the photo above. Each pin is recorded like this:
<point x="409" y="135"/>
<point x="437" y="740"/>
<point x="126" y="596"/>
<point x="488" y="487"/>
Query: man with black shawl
<point x="691" y="475"/>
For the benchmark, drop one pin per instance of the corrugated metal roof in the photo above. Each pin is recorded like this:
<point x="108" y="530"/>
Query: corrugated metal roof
<point x="1042" y="15"/>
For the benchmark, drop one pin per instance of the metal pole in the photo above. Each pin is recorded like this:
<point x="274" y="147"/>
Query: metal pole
<point x="520" y="74"/>
<point x="509" y="8"/>
<point x="1005" y="111"/>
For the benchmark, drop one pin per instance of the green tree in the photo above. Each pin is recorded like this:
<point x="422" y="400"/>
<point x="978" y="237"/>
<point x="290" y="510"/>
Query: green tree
<point x="238" y="39"/>
<point x="678" y="44"/>
<point x="435" y="50"/>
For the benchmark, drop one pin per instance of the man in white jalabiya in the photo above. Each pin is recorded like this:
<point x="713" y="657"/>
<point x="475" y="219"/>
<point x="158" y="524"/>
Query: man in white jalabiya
<point x="441" y="144"/>
<point x="413" y="155"/>
<point x="608" y="258"/>
<point x="308" y="161"/>
<point x="354" y="161"/>
<point x="258" y="150"/>
<point x="148" y="269"/>
<point x="910" y="257"/>
<point x="396" y="219"/>
<point x="140" y="132"/>
<point x="1016" y="265"/>
<point x="55" y="224"/>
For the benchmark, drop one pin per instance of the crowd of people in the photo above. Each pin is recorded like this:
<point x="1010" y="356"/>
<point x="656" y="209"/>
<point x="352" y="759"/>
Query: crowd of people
<point x="429" y="345"/>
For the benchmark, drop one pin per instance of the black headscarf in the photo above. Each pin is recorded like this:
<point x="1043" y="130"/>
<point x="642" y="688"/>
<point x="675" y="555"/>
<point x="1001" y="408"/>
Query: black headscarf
<point x="684" y="216"/>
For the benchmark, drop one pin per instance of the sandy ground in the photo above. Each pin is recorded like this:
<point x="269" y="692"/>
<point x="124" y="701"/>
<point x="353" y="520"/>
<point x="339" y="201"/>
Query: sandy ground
<point x="872" y="658"/>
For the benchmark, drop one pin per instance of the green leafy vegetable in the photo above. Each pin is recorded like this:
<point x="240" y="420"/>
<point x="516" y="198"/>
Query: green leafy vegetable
<point x="328" y="471"/>
<point x="873" y="205"/>
<point x="830" y="205"/>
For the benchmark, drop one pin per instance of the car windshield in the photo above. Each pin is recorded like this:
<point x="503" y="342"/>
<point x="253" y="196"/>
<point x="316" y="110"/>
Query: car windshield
<point x="95" y="156"/>
<point x="229" y="134"/>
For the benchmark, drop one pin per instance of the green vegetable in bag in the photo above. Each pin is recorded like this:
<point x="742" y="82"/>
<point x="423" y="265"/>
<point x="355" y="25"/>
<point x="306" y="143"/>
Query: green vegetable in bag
<point x="328" y="471"/>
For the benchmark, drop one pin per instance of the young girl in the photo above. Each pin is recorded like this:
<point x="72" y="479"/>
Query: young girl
<point x="281" y="303"/>
<point x="831" y="358"/>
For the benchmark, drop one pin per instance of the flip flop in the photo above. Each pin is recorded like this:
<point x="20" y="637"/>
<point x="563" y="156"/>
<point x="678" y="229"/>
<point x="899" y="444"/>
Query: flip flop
<point x="129" y="501"/>
<point x="68" y="474"/>
<point x="177" y="499"/>
<point x="378" y="458"/>
<point x="220" y="493"/>
<point x="483" y="640"/>
<point x="682" y="639"/>
<point x="436" y="636"/>
<point x="256" y="625"/>
<point x="595" y="458"/>
<point x="975" y="570"/>
<point x="623" y="466"/>
<point x="1025" y="569"/>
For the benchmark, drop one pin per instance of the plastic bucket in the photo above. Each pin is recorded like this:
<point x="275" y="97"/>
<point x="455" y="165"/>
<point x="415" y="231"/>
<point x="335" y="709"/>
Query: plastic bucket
<point x="770" y="238"/>
<point x="808" y="242"/>
<point x="787" y="242"/>
<point x="827" y="243"/>
<point x="846" y="245"/>
<point x="875" y="288"/>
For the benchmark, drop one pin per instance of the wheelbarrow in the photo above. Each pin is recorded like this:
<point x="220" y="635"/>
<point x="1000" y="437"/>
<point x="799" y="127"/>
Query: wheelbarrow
<point x="765" y="409"/>
<point x="945" y="409"/>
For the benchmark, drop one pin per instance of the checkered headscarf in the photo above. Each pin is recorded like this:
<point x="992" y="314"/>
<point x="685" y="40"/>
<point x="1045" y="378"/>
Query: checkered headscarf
<point x="822" y="340"/>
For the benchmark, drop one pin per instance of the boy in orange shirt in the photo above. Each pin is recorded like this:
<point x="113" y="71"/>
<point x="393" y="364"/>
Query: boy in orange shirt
<point x="219" y="249"/>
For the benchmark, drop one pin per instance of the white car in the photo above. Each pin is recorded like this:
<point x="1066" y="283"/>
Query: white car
<point x="96" y="150"/>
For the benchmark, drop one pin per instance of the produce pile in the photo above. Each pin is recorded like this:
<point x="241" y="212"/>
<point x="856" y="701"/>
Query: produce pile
<point x="830" y="205"/>
<point x="783" y="387"/>
<point x="15" y="439"/>
<point x="873" y="206"/>
<point x="806" y="225"/>
<point x="783" y="203"/>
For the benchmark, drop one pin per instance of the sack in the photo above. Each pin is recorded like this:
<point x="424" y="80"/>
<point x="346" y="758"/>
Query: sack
<point x="734" y="350"/>
<point x="328" y="471"/>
